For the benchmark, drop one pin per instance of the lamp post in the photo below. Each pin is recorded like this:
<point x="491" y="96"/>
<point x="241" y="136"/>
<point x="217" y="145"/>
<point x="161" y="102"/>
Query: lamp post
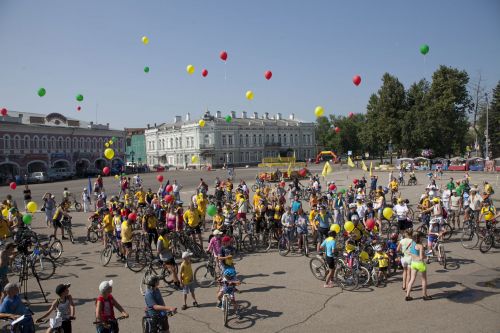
<point x="487" y="139"/>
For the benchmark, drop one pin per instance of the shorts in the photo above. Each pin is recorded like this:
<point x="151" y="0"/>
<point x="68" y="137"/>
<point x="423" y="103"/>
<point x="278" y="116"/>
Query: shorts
<point x="330" y="261"/>
<point x="57" y="224"/>
<point x="419" y="266"/>
<point x="301" y="230"/>
<point x="169" y="261"/>
<point x="118" y="234"/>
<point x="196" y="230"/>
<point x="127" y="245"/>
<point x="382" y="269"/>
<point x="431" y="238"/>
<point x="323" y="231"/>
<point x="406" y="261"/>
<point x="241" y="216"/>
<point x="188" y="288"/>
<point x="142" y="204"/>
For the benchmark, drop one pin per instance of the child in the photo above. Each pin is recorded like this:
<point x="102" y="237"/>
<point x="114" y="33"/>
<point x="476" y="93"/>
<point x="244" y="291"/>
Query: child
<point x="65" y="310"/>
<point x="383" y="262"/>
<point x="228" y="286"/>
<point x="329" y="245"/>
<point x="187" y="279"/>
<point x="227" y="251"/>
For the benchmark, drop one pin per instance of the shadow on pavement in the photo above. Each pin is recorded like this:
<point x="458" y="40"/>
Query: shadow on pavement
<point x="262" y="289"/>
<point x="249" y="276"/>
<point x="250" y="316"/>
<point x="464" y="296"/>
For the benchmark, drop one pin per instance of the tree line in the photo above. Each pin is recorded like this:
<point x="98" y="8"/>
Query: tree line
<point x="442" y="116"/>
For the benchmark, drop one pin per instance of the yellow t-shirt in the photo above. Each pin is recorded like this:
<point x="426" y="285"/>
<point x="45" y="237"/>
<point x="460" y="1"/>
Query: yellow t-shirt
<point x="126" y="232"/>
<point x="393" y="185"/>
<point x="165" y="241"/>
<point x="218" y="221"/>
<point x="488" y="213"/>
<point x="356" y="234"/>
<point x="383" y="259"/>
<point x="191" y="218"/>
<point x="312" y="216"/>
<point x="277" y="212"/>
<point x="127" y="198"/>
<point x="107" y="222"/>
<point x="186" y="273"/>
<point x="488" y="188"/>
<point x="256" y="199"/>
<point x="151" y="221"/>
<point x="141" y="197"/>
<point x="4" y="229"/>
<point x="202" y="205"/>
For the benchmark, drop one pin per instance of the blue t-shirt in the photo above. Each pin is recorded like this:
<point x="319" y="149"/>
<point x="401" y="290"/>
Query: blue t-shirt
<point x="14" y="306"/>
<point x="324" y="222"/>
<point x="329" y="246"/>
<point x="153" y="297"/>
<point x="295" y="206"/>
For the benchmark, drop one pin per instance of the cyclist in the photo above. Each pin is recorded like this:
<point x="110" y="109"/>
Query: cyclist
<point x="226" y="254"/>
<point x="192" y="219"/>
<point x="329" y="246"/>
<point x="455" y="208"/>
<point x="324" y="220"/>
<point x="488" y="213"/>
<point x="164" y="249"/>
<point x="65" y="310"/>
<point x="12" y="308"/>
<point x="228" y="286"/>
<point x="288" y="223"/>
<point x="59" y="214"/>
<point x="155" y="306"/>
<point x="149" y="223"/>
<point x="108" y="226"/>
<point x="302" y="222"/>
<point x="104" y="311"/>
<point x="137" y="181"/>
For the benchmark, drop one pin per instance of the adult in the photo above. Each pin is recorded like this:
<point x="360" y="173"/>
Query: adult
<point x="475" y="201"/>
<point x="164" y="248"/>
<point x="155" y="305"/>
<point x="59" y="214"/>
<point x="176" y="188"/>
<point x="86" y="200"/>
<point x="49" y="206"/>
<point x="324" y="219"/>
<point x="192" y="218"/>
<point x="417" y="265"/>
<point x="6" y="255"/>
<point x="451" y="184"/>
<point x="12" y="308"/>
<point x="401" y="211"/>
<point x="27" y="196"/>
<point x="404" y="248"/>
<point x="455" y="208"/>
<point x="104" y="309"/>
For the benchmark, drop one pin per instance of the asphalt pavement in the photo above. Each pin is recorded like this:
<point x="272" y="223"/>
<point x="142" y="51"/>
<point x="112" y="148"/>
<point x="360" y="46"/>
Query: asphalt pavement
<point x="279" y="294"/>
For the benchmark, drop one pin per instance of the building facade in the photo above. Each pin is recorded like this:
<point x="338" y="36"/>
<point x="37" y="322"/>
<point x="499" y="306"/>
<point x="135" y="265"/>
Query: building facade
<point x="244" y="140"/>
<point x="32" y="142"/>
<point x="135" y="147"/>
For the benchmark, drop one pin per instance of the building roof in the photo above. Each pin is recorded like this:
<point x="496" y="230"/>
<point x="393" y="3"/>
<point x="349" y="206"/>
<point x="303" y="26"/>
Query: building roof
<point x="51" y="119"/>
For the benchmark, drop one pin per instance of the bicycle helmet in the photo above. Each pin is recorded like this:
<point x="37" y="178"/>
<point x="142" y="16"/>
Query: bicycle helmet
<point x="364" y="256"/>
<point x="377" y="247"/>
<point x="431" y="194"/>
<point x="386" y="190"/>
<point x="394" y="236"/>
<point x="230" y="272"/>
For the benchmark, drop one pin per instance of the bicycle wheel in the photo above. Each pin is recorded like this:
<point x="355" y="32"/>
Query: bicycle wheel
<point x="106" y="255"/>
<point x="78" y="207"/>
<point x="225" y="304"/>
<point x="203" y="276"/>
<point x="249" y="243"/>
<point x="94" y="237"/>
<point x="346" y="278"/>
<point x="283" y="246"/>
<point x="448" y="231"/>
<point x="71" y="237"/>
<point x="318" y="268"/>
<point x="486" y="243"/>
<point x="43" y="267"/>
<point x="137" y="260"/>
<point x="363" y="276"/>
<point x="469" y="238"/>
<point x="442" y="255"/>
<point x="55" y="249"/>
<point x="254" y="187"/>
<point x="143" y="286"/>
<point x="423" y="229"/>
<point x="305" y="244"/>
<point x="197" y="250"/>
<point x="374" y="276"/>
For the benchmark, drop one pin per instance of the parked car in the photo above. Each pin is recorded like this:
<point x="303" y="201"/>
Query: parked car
<point x="38" y="177"/>
<point x="60" y="173"/>
<point x="158" y="168"/>
<point x="92" y="172"/>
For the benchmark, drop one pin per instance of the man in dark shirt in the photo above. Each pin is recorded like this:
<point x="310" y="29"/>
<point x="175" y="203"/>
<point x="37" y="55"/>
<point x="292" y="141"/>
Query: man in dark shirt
<point x="27" y="196"/>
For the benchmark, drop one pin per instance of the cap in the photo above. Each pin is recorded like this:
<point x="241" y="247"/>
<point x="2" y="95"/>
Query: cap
<point x="216" y="232"/>
<point x="186" y="254"/>
<point x="62" y="288"/>
<point x="105" y="285"/>
<point x="226" y="239"/>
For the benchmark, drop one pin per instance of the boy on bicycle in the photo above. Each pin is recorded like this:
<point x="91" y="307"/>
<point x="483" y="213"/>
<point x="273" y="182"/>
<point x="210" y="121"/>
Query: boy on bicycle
<point x="228" y="286"/>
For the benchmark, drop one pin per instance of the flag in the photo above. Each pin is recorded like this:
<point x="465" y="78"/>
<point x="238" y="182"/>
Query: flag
<point x="289" y="169"/>
<point x="90" y="187"/>
<point x="349" y="162"/>
<point x="371" y="165"/>
<point x="363" y="166"/>
<point x="326" y="169"/>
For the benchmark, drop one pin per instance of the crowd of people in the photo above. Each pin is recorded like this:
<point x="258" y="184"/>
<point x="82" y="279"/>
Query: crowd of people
<point x="364" y="219"/>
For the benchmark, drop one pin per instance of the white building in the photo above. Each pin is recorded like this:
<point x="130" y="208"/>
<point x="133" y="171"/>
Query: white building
<point x="244" y="140"/>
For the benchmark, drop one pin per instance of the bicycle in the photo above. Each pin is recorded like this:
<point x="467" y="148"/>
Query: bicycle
<point x="438" y="247"/>
<point x="14" y="326"/>
<point x="470" y="234"/>
<point x="491" y="238"/>
<point x="376" y="275"/>
<point x="207" y="275"/>
<point x="155" y="268"/>
<point x="148" y="322"/>
<point x="447" y="230"/>
<point x="57" y="329"/>
<point x="319" y="267"/>
<point x="349" y="273"/>
<point x="111" y="325"/>
<point x="95" y="231"/>
<point x="285" y="244"/>
<point x="52" y="248"/>
<point x="109" y="249"/>
<point x="66" y="223"/>
<point x="412" y="181"/>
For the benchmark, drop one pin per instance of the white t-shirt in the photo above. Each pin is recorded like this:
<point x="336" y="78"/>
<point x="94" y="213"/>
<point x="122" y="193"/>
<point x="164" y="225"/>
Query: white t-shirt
<point x="475" y="202"/>
<point x="401" y="211"/>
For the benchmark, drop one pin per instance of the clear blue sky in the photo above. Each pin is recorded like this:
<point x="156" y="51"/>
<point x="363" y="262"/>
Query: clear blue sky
<point x="313" y="48"/>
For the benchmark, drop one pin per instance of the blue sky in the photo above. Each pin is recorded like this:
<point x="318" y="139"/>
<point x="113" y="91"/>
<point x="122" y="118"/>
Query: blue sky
<point x="313" y="48"/>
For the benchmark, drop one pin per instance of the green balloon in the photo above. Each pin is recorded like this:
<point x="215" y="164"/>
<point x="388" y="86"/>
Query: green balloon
<point x="424" y="49"/>
<point x="146" y="69"/>
<point x="228" y="119"/>
<point x="343" y="191"/>
<point x="27" y="218"/>
<point x="79" y="97"/>
<point x="113" y="138"/>
<point x="211" y="210"/>
<point x="41" y="92"/>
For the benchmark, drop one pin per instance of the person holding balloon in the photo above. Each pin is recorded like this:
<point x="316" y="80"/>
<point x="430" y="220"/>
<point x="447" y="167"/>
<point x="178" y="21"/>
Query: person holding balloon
<point x="324" y="220"/>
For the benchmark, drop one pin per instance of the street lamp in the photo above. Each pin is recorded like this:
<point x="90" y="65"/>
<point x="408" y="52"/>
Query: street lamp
<point x="487" y="139"/>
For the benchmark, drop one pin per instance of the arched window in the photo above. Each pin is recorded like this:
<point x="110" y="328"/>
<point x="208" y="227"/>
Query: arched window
<point x="26" y="142"/>
<point x="272" y="136"/>
<point x="241" y="139"/>
<point x="52" y="143"/>
<point x="87" y="145"/>
<point x="68" y="143"/>
<point x="36" y="142"/>
<point x="260" y="139"/>
<point x="75" y="144"/>
<point x="17" y="142"/>
<point x="296" y="139"/>
<point x="279" y="138"/>
<point x="267" y="138"/>
<point x="176" y="142"/>
<point x="171" y="143"/>
<point x="254" y="139"/>
<point x="60" y="143"/>
<point x="246" y="140"/>
<point x="45" y="142"/>
<point x="94" y="144"/>
<point x="82" y="144"/>
<point x="6" y="140"/>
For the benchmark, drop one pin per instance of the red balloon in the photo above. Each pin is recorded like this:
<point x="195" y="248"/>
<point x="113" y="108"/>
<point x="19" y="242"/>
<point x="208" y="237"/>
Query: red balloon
<point x="132" y="216"/>
<point x="282" y="184"/>
<point x="13" y="185"/>
<point x="370" y="224"/>
<point x="356" y="80"/>
<point x="302" y="172"/>
<point x="79" y="108"/>
<point x="332" y="187"/>
<point x="355" y="180"/>
<point x="351" y="114"/>
<point x="268" y="75"/>
<point x="106" y="170"/>
<point x="223" y="55"/>
<point x="4" y="112"/>
<point x="168" y="198"/>
<point x="170" y="188"/>
<point x="159" y="178"/>
<point x="204" y="73"/>
<point x="337" y="129"/>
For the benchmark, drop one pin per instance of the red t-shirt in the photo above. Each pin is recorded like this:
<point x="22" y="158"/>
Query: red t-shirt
<point x="107" y="310"/>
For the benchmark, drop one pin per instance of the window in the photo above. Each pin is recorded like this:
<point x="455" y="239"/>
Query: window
<point x="6" y="140"/>
<point x="36" y="142"/>
<point x="241" y="139"/>
<point x="75" y="143"/>
<point x="284" y="139"/>
<point x="254" y="140"/>
<point x="176" y="142"/>
<point x="246" y="140"/>
<point x="82" y="144"/>
<point x="291" y="139"/>
<point x="267" y="138"/>
<point x="260" y="139"/>
<point x="45" y="142"/>
<point x="88" y="144"/>
<point x="272" y="136"/>
<point x="303" y="139"/>
<point x="52" y="143"/>
<point x="94" y="144"/>
<point x="171" y="143"/>
<point x="224" y="140"/>
<point x="230" y="140"/>
<point x="296" y="139"/>
<point x="68" y="143"/>
<point x="17" y="142"/>
<point x="279" y="138"/>
<point x="206" y="139"/>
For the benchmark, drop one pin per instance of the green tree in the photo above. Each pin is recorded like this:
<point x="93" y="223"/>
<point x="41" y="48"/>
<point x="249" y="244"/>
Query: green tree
<point x="493" y="122"/>
<point x="413" y="134"/>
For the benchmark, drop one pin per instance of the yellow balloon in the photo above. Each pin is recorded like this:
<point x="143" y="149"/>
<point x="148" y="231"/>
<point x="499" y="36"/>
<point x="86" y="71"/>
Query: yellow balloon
<point x="110" y="142"/>
<point x="109" y="153"/>
<point x="201" y="123"/>
<point x="194" y="158"/>
<point x="190" y="69"/>
<point x="5" y="212"/>
<point x="319" y="111"/>
<point x="106" y="144"/>
<point x="387" y="212"/>
<point x="117" y="177"/>
<point x="145" y="40"/>
<point x="32" y="206"/>
<point x="335" y="227"/>
<point x="349" y="226"/>
<point x="249" y="95"/>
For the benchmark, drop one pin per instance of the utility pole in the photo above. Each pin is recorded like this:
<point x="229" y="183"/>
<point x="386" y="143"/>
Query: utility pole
<point x="486" y="132"/>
